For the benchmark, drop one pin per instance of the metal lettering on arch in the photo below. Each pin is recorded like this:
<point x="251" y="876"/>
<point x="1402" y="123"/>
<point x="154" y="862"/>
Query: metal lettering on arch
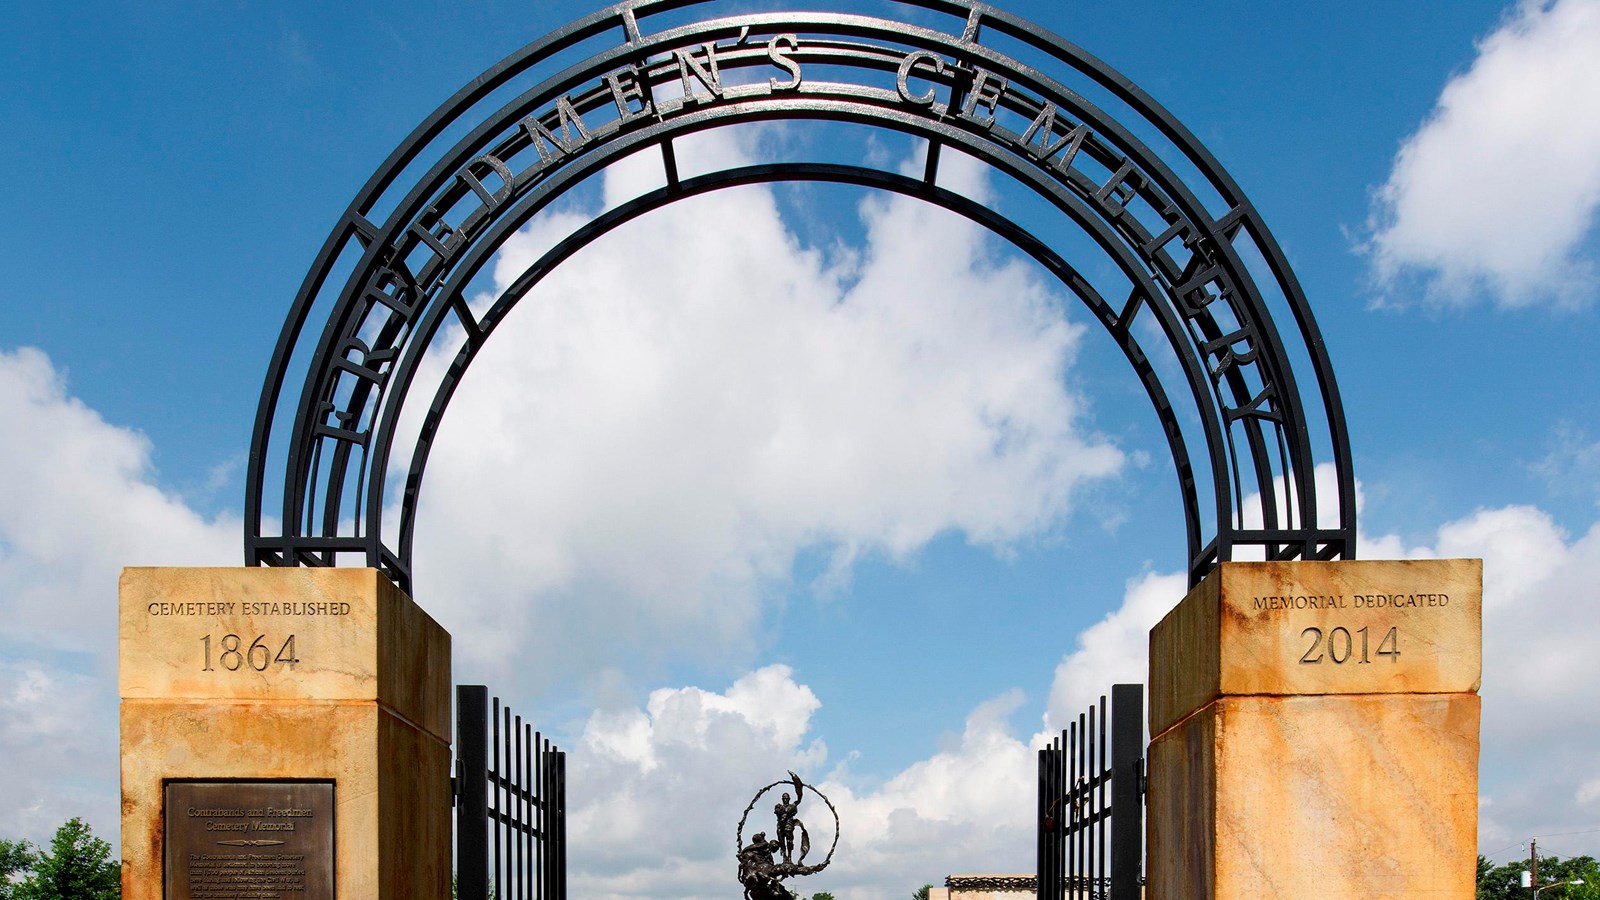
<point x="1196" y="269"/>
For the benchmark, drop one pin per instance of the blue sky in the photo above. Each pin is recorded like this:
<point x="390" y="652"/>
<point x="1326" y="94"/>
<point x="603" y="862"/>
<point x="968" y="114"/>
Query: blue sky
<point x="171" y="172"/>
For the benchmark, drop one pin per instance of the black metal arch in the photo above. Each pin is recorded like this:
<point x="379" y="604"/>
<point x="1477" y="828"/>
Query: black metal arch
<point x="538" y="124"/>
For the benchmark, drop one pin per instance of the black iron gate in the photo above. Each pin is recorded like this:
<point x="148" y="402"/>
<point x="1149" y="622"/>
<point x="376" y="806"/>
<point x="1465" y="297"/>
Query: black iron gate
<point x="511" y="807"/>
<point x="1091" y="811"/>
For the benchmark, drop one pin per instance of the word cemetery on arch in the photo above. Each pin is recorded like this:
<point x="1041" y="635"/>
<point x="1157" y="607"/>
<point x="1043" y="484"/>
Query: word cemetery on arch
<point x="1187" y="251"/>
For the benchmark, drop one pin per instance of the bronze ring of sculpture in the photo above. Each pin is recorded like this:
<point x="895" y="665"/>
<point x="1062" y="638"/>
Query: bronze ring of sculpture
<point x="759" y="872"/>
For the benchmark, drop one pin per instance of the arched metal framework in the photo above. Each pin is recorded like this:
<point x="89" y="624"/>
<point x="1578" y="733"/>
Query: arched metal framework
<point x="1193" y="254"/>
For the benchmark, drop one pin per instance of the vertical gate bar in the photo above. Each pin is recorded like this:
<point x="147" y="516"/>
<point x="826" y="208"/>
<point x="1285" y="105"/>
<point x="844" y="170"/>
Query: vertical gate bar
<point x="1091" y="772"/>
<point x="1127" y="759"/>
<point x="1090" y="749"/>
<point x="535" y="803"/>
<point x="543" y="830"/>
<point x="1085" y="756"/>
<point x="1096" y="798"/>
<point x="513" y="837"/>
<point x="472" y="785"/>
<point x="1054" y="845"/>
<point x="1071" y="786"/>
<point x="1055" y="807"/>
<point x="1082" y="763"/>
<point x="547" y="783"/>
<point x="506" y="808"/>
<point x="535" y="839"/>
<point x="1085" y="774"/>
<point x="561" y="825"/>
<point x="499" y="803"/>
<point x="1062" y="810"/>
<point x="526" y="892"/>
<point x="1102" y="861"/>
<point x="560" y="766"/>
<point x="525" y="778"/>
<point x="1046" y="784"/>
<point x="1058" y="841"/>
<point x="1039" y="817"/>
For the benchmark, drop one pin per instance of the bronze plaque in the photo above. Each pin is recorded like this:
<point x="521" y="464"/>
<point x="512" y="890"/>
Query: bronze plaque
<point x="249" y="840"/>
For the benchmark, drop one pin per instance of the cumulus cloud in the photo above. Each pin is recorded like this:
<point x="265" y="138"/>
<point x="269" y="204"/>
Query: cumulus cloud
<point x="646" y="446"/>
<point x="1496" y="193"/>
<point x="1115" y="650"/>
<point x="664" y="784"/>
<point x="1541" y="623"/>
<point x="79" y="501"/>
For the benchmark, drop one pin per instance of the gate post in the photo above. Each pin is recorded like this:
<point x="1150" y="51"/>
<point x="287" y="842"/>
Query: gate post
<point x="472" y="792"/>
<point x="1127" y="800"/>
<point x="285" y="732"/>
<point x="1315" y="733"/>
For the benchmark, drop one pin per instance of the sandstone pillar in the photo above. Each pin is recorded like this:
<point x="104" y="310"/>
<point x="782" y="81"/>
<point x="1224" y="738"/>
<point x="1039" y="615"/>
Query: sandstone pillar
<point x="1315" y="733"/>
<point x="285" y="734"/>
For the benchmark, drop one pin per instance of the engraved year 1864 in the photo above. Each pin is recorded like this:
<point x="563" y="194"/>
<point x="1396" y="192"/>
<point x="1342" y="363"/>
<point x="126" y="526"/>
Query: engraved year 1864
<point x="230" y="652"/>
<point x="1338" y="646"/>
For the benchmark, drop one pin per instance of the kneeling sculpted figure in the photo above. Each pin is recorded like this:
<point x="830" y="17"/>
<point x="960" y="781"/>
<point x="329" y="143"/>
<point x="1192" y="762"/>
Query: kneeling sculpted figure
<point x="757" y="870"/>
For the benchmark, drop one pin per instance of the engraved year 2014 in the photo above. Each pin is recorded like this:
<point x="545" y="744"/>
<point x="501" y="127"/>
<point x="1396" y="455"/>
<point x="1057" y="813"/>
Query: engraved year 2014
<point x="231" y="653"/>
<point x="1338" y="646"/>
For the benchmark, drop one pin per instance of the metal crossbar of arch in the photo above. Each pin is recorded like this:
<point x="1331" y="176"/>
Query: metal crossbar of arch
<point x="1197" y="276"/>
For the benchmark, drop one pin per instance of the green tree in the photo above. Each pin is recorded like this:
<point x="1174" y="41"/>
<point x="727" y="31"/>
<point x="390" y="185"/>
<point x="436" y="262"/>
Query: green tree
<point x="15" y="858"/>
<point x="1505" y="882"/>
<point x="1500" y="882"/>
<point x="78" y="866"/>
<point x="922" y="892"/>
<point x="822" y="895"/>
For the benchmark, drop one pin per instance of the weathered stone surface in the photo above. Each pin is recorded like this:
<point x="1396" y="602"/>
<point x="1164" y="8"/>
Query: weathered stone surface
<point x="225" y="633"/>
<point x="366" y="706"/>
<point x="1304" y="628"/>
<point x="1327" y="797"/>
<point x="1181" y="811"/>
<point x="1291" y="759"/>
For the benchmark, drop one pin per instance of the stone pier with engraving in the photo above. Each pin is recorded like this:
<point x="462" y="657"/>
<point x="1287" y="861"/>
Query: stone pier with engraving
<point x="1315" y="733"/>
<point x="285" y="736"/>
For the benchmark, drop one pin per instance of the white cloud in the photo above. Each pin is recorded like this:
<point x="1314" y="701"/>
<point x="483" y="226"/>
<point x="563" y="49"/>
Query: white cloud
<point x="78" y="501"/>
<point x="638" y="456"/>
<point x="1497" y="191"/>
<point x="968" y="808"/>
<point x="664" y="786"/>
<point x="59" y="739"/>
<point x="1541" y="625"/>
<point x="1115" y="650"/>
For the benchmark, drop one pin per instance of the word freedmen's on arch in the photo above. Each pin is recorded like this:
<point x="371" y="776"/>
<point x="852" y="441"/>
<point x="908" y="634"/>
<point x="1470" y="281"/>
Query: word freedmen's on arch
<point x="1056" y="121"/>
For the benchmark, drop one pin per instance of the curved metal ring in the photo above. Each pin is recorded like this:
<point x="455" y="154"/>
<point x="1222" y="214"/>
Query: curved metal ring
<point x="412" y="265"/>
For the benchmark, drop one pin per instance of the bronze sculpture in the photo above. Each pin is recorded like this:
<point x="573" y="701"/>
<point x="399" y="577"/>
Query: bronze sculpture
<point x="764" y="863"/>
